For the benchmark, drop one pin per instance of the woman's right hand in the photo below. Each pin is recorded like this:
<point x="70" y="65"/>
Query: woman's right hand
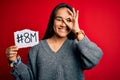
<point x="11" y="53"/>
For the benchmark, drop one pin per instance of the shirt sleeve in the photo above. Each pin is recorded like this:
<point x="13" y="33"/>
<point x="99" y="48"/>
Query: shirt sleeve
<point x="26" y="72"/>
<point x="22" y="72"/>
<point x="90" y="53"/>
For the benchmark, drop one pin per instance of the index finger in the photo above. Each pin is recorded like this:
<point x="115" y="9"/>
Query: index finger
<point x="66" y="23"/>
<point x="70" y="12"/>
<point x="13" y="47"/>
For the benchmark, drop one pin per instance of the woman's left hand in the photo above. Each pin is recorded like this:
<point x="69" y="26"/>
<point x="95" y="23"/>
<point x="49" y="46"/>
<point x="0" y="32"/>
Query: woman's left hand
<point x="75" y="27"/>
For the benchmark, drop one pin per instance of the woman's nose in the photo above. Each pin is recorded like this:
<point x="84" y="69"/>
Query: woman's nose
<point x="63" y="23"/>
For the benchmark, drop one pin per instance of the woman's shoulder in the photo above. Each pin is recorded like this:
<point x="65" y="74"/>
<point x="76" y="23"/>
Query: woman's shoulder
<point x="37" y="46"/>
<point x="34" y="49"/>
<point x="71" y="40"/>
<point x="40" y="42"/>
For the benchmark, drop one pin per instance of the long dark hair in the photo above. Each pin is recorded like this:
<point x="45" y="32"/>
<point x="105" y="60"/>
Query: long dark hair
<point x="50" y="31"/>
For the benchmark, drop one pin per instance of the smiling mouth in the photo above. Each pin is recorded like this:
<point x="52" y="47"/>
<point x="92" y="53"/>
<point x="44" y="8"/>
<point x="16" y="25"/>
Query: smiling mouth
<point x="63" y="29"/>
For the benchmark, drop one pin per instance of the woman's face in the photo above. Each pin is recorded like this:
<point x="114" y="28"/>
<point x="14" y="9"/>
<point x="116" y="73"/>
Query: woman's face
<point x="60" y="27"/>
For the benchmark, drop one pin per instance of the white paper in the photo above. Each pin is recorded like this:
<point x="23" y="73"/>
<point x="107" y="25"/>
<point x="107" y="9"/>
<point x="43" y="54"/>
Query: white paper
<point x="26" y="38"/>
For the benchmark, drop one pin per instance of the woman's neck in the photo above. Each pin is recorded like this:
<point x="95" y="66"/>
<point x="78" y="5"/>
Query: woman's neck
<point x="55" y="42"/>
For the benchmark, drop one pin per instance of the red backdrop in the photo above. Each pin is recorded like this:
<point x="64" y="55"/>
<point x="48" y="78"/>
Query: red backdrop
<point x="99" y="19"/>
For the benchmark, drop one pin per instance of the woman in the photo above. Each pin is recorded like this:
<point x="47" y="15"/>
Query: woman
<point x="63" y="54"/>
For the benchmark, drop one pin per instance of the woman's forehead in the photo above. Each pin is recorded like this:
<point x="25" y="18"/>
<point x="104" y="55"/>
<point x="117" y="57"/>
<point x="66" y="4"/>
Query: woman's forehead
<point x="63" y="12"/>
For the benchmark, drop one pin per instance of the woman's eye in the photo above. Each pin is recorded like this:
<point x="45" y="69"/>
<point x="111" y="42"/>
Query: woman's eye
<point x="69" y="20"/>
<point x="58" y="19"/>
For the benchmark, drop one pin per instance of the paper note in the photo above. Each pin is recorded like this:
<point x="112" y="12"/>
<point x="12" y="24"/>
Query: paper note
<point x="26" y="38"/>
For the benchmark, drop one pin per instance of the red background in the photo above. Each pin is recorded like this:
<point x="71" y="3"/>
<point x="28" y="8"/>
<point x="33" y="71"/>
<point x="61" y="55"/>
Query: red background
<point x="100" y="19"/>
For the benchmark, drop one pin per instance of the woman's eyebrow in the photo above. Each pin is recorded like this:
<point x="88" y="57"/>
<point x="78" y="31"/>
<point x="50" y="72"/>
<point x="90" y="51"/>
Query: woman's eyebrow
<point x="58" y="17"/>
<point x="62" y="17"/>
